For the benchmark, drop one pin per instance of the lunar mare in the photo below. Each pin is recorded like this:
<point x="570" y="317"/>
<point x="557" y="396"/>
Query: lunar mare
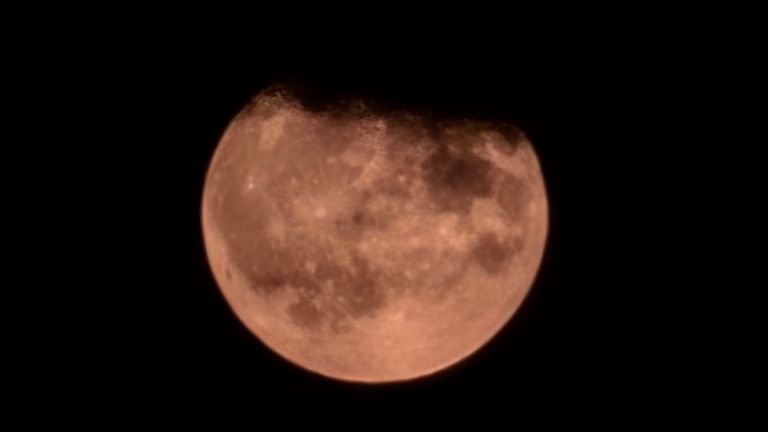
<point x="372" y="247"/>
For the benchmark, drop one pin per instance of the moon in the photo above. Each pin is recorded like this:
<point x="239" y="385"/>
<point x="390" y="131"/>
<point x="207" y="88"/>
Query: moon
<point x="368" y="246"/>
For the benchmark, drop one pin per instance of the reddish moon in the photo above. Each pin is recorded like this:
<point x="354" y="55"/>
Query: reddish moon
<point x="372" y="247"/>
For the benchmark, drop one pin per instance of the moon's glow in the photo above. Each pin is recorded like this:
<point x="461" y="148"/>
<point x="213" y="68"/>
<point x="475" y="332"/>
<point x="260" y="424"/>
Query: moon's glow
<point x="370" y="247"/>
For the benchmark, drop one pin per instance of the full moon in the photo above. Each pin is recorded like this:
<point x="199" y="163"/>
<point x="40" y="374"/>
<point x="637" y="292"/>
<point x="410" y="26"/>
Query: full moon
<point x="369" y="246"/>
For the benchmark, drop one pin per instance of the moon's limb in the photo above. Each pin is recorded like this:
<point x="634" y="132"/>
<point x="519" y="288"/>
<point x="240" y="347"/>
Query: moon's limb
<point x="367" y="247"/>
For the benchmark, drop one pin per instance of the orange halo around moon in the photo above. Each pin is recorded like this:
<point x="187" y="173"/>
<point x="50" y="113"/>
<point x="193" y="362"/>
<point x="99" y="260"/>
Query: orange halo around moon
<point x="369" y="247"/>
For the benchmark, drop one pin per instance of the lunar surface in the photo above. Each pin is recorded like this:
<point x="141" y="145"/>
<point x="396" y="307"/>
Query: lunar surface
<point x="372" y="247"/>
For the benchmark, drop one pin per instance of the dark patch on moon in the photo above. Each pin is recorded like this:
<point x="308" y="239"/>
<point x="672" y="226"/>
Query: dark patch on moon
<point x="267" y="281"/>
<point x="358" y="286"/>
<point x="514" y="195"/>
<point x="514" y="138"/>
<point x="361" y="289"/>
<point x="304" y="313"/>
<point x="454" y="277"/>
<point x="357" y="217"/>
<point x="362" y="219"/>
<point x="455" y="178"/>
<point x="228" y="274"/>
<point x="490" y="254"/>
